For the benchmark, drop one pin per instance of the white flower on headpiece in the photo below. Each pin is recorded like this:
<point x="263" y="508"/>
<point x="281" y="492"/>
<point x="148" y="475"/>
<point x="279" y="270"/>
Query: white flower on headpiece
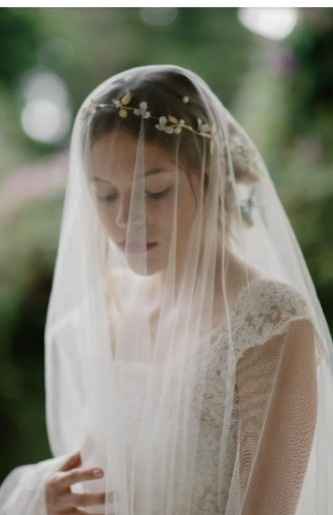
<point x="179" y="124"/>
<point x="186" y="99"/>
<point x="174" y="121"/>
<point x="247" y="206"/>
<point x="203" y="127"/>
<point x="161" y="125"/>
<point x="142" y="111"/>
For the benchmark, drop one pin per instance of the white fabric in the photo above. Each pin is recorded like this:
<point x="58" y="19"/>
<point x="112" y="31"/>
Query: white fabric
<point x="196" y="373"/>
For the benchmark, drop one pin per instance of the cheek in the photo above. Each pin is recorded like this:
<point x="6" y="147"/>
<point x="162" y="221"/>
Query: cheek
<point x="107" y="217"/>
<point x="160" y="216"/>
<point x="186" y="210"/>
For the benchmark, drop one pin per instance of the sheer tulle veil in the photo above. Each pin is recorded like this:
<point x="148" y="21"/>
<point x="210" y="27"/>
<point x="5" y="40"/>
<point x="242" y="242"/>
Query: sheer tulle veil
<point x="187" y="353"/>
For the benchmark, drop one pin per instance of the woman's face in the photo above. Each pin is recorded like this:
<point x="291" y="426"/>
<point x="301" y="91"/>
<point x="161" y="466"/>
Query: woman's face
<point x="112" y="178"/>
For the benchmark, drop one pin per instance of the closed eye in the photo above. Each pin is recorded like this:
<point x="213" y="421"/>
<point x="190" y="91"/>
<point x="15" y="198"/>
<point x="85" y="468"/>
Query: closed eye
<point x="112" y="197"/>
<point x="158" y="194"/>
<point x="107" y="198"/>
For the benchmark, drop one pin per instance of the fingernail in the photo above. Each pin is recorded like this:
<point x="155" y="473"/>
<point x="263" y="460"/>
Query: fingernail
<point x="98" y="472"/>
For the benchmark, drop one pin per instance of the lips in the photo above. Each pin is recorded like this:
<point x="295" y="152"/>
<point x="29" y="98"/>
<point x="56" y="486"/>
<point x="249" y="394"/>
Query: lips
<point x="137" y="246"/>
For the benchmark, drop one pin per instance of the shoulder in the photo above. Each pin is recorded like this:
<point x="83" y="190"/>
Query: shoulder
<point x="266" y="309"/>
<point x="272" y="295"/>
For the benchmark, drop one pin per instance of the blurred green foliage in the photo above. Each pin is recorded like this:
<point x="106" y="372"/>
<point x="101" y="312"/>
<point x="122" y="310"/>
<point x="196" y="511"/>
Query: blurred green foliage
<point x="20" y="38"/>
<point x="281" y="92"/>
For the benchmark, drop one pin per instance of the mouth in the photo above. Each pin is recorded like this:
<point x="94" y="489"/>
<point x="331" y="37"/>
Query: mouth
<point x="136" y="247"/>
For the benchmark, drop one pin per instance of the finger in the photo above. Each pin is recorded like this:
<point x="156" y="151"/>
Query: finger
<point x="86" y="499"/>
<point x="78" y="475"/>
<point x="73" y="461"/>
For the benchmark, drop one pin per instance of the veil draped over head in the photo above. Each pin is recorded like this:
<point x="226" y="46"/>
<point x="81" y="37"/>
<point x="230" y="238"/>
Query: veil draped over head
<point x="187" y="353"/>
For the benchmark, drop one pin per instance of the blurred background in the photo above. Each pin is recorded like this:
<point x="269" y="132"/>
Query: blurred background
<point x="272" y="68"/>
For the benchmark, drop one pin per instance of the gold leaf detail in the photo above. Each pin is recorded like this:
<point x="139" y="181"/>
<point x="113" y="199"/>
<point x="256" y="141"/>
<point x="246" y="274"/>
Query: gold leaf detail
<point x="172" y="119"/>
<point x="126" y="99"/>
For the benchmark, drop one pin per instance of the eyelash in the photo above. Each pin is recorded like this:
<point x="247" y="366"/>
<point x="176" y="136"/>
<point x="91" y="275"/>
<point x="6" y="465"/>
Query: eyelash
<point x="153" y="196"/>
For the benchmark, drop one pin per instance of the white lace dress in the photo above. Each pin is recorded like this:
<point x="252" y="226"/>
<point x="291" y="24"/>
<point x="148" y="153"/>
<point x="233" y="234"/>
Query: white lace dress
<point x="262" y="311"/>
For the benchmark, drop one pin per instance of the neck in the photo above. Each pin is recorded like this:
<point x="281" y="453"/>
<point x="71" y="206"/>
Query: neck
<point x="227" y="265"/>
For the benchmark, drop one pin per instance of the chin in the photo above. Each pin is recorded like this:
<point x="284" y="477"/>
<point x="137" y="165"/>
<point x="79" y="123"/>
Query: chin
<point x="152" y="267"/>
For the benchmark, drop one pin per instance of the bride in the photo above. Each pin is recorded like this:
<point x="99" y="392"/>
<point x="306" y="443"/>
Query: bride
<point x="188" y="359"/>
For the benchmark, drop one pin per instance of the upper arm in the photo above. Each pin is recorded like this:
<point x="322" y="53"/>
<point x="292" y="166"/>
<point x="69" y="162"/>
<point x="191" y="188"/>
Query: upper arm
<point x="277" y="392"/>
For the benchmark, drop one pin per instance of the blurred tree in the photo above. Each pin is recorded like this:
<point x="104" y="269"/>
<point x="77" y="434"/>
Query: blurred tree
<point x="312" y="83"/>
<point x="20" y="38"/>
<point x="309" y="127"/>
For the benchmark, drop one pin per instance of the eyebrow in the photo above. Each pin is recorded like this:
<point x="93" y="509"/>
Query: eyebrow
<point x="152" y="171"/>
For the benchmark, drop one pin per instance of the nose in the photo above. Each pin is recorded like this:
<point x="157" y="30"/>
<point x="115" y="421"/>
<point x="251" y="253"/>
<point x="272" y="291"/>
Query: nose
<point x="122" y="214"/>
<point x="126" y="210"/>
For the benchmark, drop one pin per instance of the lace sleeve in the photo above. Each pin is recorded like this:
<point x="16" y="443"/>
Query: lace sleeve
<point x="266" y="312"/>
<point x="276" y="383"/>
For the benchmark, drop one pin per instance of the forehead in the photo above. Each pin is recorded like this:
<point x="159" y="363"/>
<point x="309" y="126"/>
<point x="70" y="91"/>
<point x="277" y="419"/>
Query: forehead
<point x="116" y="152"/>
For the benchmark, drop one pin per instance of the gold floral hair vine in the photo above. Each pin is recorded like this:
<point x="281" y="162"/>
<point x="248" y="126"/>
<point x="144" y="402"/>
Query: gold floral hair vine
<point x="171" y="125"/>
<point x="168" y="124"/>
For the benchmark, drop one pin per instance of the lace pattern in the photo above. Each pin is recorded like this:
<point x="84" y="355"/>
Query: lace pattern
<point x="263" y="310"/>
<point x="266" y="312"/>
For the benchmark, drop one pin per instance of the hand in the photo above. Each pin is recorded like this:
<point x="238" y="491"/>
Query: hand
<point x="59" y="497"/>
